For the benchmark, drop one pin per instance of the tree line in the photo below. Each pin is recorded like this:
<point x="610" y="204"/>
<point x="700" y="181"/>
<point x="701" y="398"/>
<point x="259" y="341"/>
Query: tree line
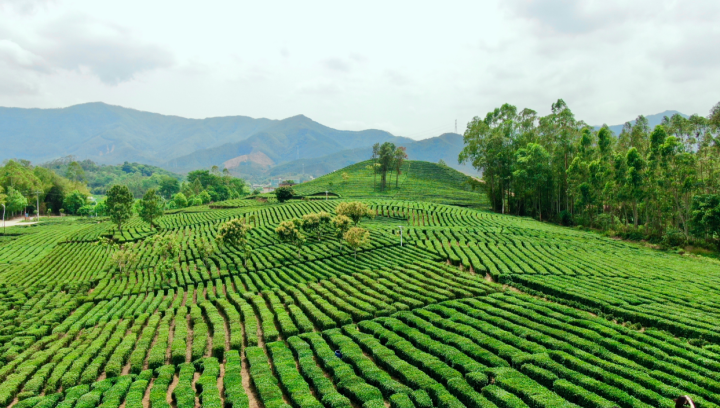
<point x="660" y="184"/>
<point x="61" y="187"/>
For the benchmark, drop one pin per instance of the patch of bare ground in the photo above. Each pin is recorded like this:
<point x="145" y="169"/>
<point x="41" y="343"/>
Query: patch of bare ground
<point x="204" y="294"/>
<point x="102" y="376"/>
<point x="194" y="296"/>
<point x="188" y="341"/>
<point x="169" y="397"/>
<point x="221" y="385"/>
<point x="15" y="401"/>
<point x="250" y="391"/>
<point x="196" y="377"/>
<point x="146" y="397"/>
<point x="184" y="301"/>
<point x="171" y="336"/>
<point x="472" y="271"/>
<point x="489" y="278"/>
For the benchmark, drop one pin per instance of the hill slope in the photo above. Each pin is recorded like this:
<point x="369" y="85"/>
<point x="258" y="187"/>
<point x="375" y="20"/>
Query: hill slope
<point x="419" y="180"/>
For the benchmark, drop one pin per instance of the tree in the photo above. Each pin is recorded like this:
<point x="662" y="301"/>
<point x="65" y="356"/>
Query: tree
<point x="152" y="206"/>
<point x="442" y="163"/>
<point x="75" y="172"/>
<point x="204" y="197"/>
<point x="125" y="255"/>
<point x="290" y="232"/>
<point x="345" y="176"/>
<point x="180" y="200"/>
<point x="386" y="159"/>
<point x="532" y="172"/>
<point x="706" y="217"/>
<point x="168" y="186"/>
<point x="283" y="194"/>
<point x="15" y="202"/>
<point x="341" y="224"/>
<point x="314" y="223"/>
<point x="354" y="210"/>
<point x="399" y="157"/>
<point x="74" y="201"/>
<point x="236" y="233"/>
<point x="356" y="237"/>
<point x="119" y="202"/>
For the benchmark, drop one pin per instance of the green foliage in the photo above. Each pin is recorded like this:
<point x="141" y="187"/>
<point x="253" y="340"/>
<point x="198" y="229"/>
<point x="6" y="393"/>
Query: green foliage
<point x="356" y="238"/>
<point x="119" y="202"/>
<point x="558" y="168"/>
<point x="291" y="232"/>
<point x="354" y="210"/>
<point x="706" y="216"/>
<point x="180" y="201"/>
<point x="283" y="194"/>
<point x="235" y="233"/>
<point x="152" y="206"/>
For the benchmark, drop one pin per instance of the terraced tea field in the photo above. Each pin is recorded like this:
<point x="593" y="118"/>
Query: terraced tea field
<point x="474" y="309"/>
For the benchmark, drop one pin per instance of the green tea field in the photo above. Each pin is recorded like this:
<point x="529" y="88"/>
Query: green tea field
<point x="474" y="309"/>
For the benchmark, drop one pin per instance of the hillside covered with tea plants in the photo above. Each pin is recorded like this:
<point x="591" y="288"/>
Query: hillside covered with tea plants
<point x="254" y="304"/>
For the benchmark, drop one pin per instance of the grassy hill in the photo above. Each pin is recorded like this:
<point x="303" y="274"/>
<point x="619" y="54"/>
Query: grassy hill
<point x="419" y="180"/>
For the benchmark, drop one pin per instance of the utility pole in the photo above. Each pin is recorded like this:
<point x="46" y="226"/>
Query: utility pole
<point x="401" y="234"/>
<point x="3" y="219"/>
<point x="37" y="207"/>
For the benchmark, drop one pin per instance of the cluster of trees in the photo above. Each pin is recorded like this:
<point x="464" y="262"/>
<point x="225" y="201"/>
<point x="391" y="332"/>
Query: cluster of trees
<point x="22" y="185"/>
<point x="660" y="184"/>
<point x="202" y="187"/>
<point x="343" y="226"/>
<point x="139" y="178"/>
<point x="387" y="158"/>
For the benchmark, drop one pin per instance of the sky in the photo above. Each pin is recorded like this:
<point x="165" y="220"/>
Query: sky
<point x="409" y="67"/>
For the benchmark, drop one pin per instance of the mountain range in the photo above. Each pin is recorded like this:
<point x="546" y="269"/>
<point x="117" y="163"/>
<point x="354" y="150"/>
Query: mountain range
<point x="253" y="148"/>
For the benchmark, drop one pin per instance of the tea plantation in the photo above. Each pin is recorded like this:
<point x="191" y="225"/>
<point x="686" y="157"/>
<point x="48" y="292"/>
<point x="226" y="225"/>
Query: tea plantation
<point x="474" y="309"/>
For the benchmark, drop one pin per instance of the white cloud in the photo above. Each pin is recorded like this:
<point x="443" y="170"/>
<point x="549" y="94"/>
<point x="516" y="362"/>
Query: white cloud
<point x="410" y="67"/>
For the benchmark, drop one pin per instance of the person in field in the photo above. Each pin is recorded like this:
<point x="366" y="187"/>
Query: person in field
<point x="683" y="401"/>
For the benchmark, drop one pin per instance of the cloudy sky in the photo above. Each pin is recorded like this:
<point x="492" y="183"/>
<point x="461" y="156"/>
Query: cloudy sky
<point x="408" y="67"/>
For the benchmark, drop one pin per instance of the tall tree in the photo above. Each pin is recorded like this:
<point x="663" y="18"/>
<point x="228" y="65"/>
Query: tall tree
<point x="119" y="202"/>
<point x="386" y="158"/>
<point x="400" y="155"/>
<point x="152" y="206"/>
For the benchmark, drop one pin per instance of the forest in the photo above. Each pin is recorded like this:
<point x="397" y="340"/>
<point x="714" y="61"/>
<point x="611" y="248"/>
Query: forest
<point x="67" y="186"/>
<point x="659" y="184"/>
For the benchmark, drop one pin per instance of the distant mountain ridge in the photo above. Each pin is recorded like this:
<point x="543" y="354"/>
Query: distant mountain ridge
<point x="249" y="147"/>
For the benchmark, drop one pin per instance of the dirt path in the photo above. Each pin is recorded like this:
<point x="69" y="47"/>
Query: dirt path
<point x="221" y="385"/>
<point x="196" y="377"/>
<point x="146" y="397"/>
<point x="169" y="397"/>
<point x="189" y="340"/>
<point x="250" y="391"/>
<point x="171" y="337"/>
